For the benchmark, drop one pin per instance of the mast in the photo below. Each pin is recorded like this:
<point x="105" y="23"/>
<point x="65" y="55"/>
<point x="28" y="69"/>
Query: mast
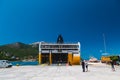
<point x="104" y="43"/>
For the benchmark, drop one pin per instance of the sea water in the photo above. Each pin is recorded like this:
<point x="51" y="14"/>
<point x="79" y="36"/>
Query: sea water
<point x="22" y="63"/>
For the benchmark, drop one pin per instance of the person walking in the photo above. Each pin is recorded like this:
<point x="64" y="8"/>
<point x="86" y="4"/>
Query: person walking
<point x="86" y="65"/>
<point x="112" y="65"/>
<point x="83" y="65"/>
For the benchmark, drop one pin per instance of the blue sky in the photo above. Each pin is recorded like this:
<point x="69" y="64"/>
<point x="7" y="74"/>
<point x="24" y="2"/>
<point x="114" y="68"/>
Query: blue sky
<point x="85" y="21"/>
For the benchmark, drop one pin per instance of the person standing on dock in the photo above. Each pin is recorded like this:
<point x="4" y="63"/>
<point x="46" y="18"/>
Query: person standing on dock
<point x="86" y="66"/>
<point x="112" y="65"/>
<point x="83" y="65"/>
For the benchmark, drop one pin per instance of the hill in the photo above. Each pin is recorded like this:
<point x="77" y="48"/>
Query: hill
<point x="19" y="51"/>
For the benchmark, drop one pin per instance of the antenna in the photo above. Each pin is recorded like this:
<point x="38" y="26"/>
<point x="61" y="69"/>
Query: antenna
<point x="104" y="43"/>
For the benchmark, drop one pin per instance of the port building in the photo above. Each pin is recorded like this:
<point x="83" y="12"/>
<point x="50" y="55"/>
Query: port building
<point x="59" y="52"/>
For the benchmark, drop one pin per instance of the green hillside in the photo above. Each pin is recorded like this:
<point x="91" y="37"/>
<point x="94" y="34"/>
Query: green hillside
<point x="18" y="51"/>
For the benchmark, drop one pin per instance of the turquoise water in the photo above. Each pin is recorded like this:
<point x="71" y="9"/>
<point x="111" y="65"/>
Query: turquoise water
<point x="21" y="63"/>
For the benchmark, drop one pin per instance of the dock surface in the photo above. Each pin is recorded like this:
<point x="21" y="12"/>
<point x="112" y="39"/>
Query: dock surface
<point x="96" y="71"/>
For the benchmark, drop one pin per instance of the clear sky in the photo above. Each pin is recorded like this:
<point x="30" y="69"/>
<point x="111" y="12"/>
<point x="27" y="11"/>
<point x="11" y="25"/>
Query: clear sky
<point x="85" y="21"/>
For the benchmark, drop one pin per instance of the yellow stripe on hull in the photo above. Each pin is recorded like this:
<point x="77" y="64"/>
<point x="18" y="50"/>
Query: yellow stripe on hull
<point x="70" y="58"/>
<point x="50" y="58"/>
<point x="39" y="58"/>
<point x="76" y="60"/>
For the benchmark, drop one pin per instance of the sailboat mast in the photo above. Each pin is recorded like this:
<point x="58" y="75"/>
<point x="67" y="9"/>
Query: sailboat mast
<point x="104" y="43"/>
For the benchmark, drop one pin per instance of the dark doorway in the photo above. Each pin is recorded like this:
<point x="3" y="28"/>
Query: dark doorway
<point x="59" y="58"/>
<point x="45" y="58"/>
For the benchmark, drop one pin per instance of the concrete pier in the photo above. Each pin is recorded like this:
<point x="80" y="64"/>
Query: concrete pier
<point x="97" y="71"/>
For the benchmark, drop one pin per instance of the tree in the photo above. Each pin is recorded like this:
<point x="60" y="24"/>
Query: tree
<point x="114" y="58"/>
